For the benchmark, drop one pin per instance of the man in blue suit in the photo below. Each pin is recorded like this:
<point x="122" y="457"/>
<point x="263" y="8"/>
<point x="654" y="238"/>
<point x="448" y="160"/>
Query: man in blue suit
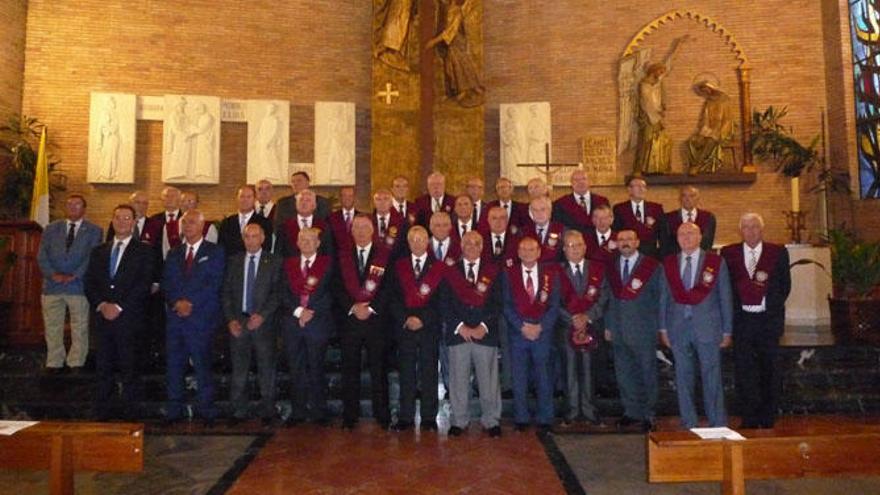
<point x="530" y="292"/>
<point x="696" y="321"/>
<point x="63" y="258"/>
<point x="192" y="280"/>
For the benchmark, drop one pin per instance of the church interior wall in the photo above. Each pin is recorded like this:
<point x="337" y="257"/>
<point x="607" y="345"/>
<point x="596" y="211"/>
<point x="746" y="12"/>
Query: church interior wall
<point x="13" y="15"/>
<point x="565" y="52"/>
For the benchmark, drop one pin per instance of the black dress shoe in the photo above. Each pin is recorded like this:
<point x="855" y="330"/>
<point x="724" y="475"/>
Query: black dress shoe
<point x="384" y="424"/>
<point x="595" y="421"/>
<point x="266" y="422"/>
<point x="322" y="422"/>
<point x="543" y="428"/>
<point x="51" y="371"/>
<point x="429" y="426"/>
<point x="233" y="421"/>
<point x="168" y="422"/>
<point x="626" y="421"/>
<point x="348" y="424"/>
<point x="647" y="426"/>
<point x="521" y="427"/>
<point x="455" y="431"/>
<point x="402" y="426"/>
<point x="494" y="432"/>
<point x="76" y="370"/>
<point x="291" y="422"/>
<point x="209" y="422"/>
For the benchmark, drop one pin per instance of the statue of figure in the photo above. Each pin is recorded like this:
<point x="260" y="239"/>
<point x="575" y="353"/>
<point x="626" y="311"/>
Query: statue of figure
<point x="512" y="146"/>
<point x="536" y="136"/>
<point x="202" y="132"/>
<point x="269" y="142"/>
<point x="653" y="146"/>
<point x="706" y="153"/>
<point x="108" y="144"/>
<point x="391" y="36"/>
<point x="461" y="76"/>
<point x="179" y="145"/>
<point x="339" y="148"/>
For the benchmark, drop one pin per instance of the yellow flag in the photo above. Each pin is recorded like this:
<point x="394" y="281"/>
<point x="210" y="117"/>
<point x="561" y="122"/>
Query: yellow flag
<point x="40" y="198"/>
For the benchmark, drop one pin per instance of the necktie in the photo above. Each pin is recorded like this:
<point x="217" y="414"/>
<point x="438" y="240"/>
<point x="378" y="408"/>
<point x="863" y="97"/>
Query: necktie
<point x="625" y="276"/>
<point x="418" y="268"/>
<point x="305" y="269"/>
<point x="170" y="217"/>
<point x="639" y="213"/>
<point x="579" y="276"/>
<point x="602" y="239"/>
<point x="263" y="211"/>
<point x="436" y="205"/>
<point x="530" y="286"/>
<point x="463" y="229"/>
<point x="688" y="273"/>
<point x="190" y="255"/>
<point x="137" y="229"/>
<point x="472" y="277"/>
<point x="250" y="279"/>
<point x="753" y="263"/>
<point x="541" y="234"/>
<point x="347" y="222"/>
<point x="690" y="217"/>
<point x="71" y="230"/>
<point x="475" y="218"/>
<point x="382" y="226"/>
<point x="362" y="261"/>
<point x="499" y="246"/>
<point x="114" y="258"/>
<point x="583" y="202"/>
<point x="304" y="296"/>
<point x="305" y="223"/>
<point x="242" y="222"/>
<point x="439" y="251"/>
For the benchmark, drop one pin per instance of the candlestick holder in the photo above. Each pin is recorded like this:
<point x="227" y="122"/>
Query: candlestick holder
<point x="795" y="222"/>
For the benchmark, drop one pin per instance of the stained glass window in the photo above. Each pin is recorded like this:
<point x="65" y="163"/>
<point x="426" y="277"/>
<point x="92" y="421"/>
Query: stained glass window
<point x="865" y="24"/>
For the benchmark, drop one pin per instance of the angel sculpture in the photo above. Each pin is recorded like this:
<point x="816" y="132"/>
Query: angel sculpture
<point x="706" y="151"/>
<point x="461" y="75"/>
<point x="392" y="33"/>
<point x="642" y="110"/>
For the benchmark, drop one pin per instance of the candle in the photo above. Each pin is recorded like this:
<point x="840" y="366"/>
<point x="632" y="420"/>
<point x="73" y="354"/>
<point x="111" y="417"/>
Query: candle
<point x="795" y="194"/>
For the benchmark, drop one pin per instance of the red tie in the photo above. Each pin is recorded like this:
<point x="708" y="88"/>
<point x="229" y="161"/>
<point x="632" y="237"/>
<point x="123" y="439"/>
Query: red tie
<point x="189" y="260"/>
<point x="530" y="286"/>
<point x="304" y="297"/>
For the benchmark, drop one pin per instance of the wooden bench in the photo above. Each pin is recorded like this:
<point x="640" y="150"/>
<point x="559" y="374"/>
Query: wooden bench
<point x="64" y="448"/>
<point x="822" y="450"/>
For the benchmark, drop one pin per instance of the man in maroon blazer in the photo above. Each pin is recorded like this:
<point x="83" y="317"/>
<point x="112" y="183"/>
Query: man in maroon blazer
<point x="388" y="226"/>
<point x="340" y="220"/>
<point x="499" y="243"/>
<point x="705" y="220"/>
<point x="574" y="210"/>
<point x="435" y="200"/>
<point x="443" y="246"/>
<point x="645" y="217"/>
<point x="400" y="200"/>
<point x="517" y="212"/>
<point x="601" y="239"/>
<point x="305" y="217"/>
<point x="546" y="232"/>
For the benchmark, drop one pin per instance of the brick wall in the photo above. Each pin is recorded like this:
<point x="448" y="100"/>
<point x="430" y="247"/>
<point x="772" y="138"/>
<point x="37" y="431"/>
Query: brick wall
<point x="565" y="52"/>
<point x="12" y="32"/>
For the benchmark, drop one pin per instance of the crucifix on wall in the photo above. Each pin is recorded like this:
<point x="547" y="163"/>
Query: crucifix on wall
<point x="547" y="168"/>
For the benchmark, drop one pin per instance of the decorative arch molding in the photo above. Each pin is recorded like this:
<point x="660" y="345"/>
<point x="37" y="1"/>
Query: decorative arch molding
<point x="708" y="22"/>
<point x="743" y="70"/>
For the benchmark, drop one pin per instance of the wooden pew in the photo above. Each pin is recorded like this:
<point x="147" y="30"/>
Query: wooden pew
<point x="64" y="448"/>
<point x="825" y="449"/>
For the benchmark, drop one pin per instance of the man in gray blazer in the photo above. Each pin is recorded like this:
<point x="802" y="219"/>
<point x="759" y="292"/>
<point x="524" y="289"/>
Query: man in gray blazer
<point x="252" y="293"/>
<point x="631" y="326"/>
<point x="63" y="258"/>
<point x="696" y="322"/>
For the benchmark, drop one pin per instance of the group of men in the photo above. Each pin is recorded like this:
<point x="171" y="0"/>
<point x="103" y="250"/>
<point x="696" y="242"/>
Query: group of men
<point x="544" y="287"/>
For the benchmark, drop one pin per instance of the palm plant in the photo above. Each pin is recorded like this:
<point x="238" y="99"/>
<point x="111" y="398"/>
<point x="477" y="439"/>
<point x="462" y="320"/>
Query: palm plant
<point x="855" y="265"/>
<point x="19" y="140"/>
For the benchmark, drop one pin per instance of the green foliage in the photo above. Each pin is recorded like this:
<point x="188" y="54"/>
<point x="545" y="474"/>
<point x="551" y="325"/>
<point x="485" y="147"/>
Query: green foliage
<point x="19" y="142"/>
<point x="855" y="264"/>
<point x="773" y="142"/>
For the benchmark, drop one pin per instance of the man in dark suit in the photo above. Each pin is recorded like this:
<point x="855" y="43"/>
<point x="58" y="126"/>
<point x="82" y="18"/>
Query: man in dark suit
<point x="305" y="217"/>
<point x="252" y="293"/>
<point x="306" y="326"/>
<point x="443" y="246"/>
<point x="192" y="280"/>
<point x="584" y="293"/>
<point x="761" y="280"/>
<point x="232" y="227"/>
<point x="418" y="290"/>
<point x="547" y="232"/>
<point x="475" y="189"/>
<point x="362" y="293"/>
<point x="631" y="325"/>
<point x="400" y="201"/>
<point x="474" y="300"/>
<point x="531" y="305"/>
<point x="340" y="220"/>
<point x="434" y="200"/>
<point x="463" y="217"/>
<point x="285" y="208"/>
<point x="140" y="202"/>
<point x="705" y="220"/>
<point x="575" y="210"/>
<point x="696" y="322"/>
<point x="265" y="206"/>
<point x="645" y="217"/>
<point x="117" y="283"/>
<point x="517" y="213"/>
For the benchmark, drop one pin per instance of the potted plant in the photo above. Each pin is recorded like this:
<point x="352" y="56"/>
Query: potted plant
<point x="855" y="301"/>
<point x="19" y="140"/>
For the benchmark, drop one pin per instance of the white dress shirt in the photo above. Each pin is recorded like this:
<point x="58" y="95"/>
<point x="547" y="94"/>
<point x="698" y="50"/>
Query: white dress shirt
<point x="747" y="255"/>
<point x="444" y="247"/>
<point x="684" y="215"/>
<point x="641" y="206"/>
<point x="308" y="220"/>
<point x="586" y="196"/>
<point x="244" y="218"/>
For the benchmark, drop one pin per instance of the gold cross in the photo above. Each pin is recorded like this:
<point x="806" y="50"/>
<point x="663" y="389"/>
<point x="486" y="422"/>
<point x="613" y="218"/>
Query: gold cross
<point x="388" y="93"/>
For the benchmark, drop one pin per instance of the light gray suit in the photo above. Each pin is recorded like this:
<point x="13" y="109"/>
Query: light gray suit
<point x="696" y="331"/>
<point x="267" y="294"/>
<point x="578" y="378"/>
